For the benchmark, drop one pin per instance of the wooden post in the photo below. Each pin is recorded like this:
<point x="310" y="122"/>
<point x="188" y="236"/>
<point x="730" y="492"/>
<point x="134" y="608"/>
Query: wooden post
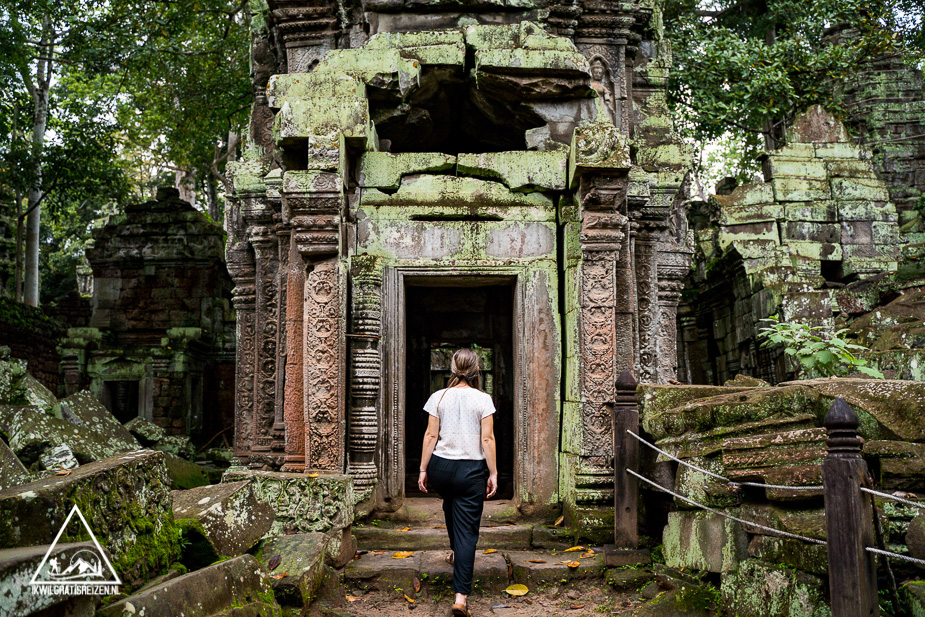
<point x="848" y="517"/>
<point x="626" y="456"/>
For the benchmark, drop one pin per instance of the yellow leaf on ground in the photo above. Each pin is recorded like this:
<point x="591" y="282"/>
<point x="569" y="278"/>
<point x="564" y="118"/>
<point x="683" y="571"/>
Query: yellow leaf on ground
<point x="489" y="551"/>
<point x="517" y="590"/>
<point x="312" y="475"/>
<point x="402" y="554"/>
<point x="537" y="560"/>
<point x="588" y="554"/>
<point x="559" y="521"/>
<point x="405" y="529"/>
<point x="353" y="598"/>
<point x="574" y="548"/>
<point x="409" y="599"/>
<point x="573" y="564"/>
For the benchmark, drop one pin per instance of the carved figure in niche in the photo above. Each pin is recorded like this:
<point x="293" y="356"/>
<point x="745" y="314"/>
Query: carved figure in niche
<point x="603" y="85"/>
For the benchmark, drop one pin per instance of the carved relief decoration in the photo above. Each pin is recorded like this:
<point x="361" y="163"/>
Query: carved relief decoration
<point x="294" y="404"/>
<point x="322" y="368"/>
<point x="647" y="303"/>
<point x="267" y="329"/>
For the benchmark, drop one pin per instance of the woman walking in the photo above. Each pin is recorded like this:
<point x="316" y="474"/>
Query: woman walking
<point x="458" y="461"/>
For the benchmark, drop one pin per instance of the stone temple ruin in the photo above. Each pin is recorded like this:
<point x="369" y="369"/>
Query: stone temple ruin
<point x="421" y="178"/>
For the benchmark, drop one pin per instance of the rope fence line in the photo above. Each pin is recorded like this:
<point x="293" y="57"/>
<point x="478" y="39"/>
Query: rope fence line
<point x="914" y="504"/>
<point x="719" y="477"/>
<point x="779" y="532"/>
<point x="877" y="551"/>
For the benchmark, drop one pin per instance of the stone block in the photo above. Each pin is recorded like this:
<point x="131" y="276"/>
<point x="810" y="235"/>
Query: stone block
<point x="552" y="538"/>
<point x="885" y="233"/>
<point x="902" y="464"/>
<point x="12" y="471"/>
<point x="704" y="541"/>
<point x="810" y="169"/>
<point x="58" y="458"/>
<point x="300" y="119"/>
<point x="198" y="551"/>
<point x="385" y="170"/>
<point x="799" y="189"/>
<point x="84" y="410"/>
<point x="745" y="195"/>
<point x="859" y="188"/>
<point x="702" y="488"/>
<point x="757" y="589"/>
<point x="597" y="147"/>
<point x="850" y="168"/>
<point x="819" y="211"/>
<point x="815" y="250"/>
<point x="302" y="504"/>
<point x="384" y="69"/>
<point x="825" y="233"/>
<point x="183" y="473"/>
<point x="841" y="150"/>
<point x="796" y="150"/>
<point x="301" y="562"/>
<point x="550" y="62"/>
<point x="147" y="433"/>
<point x="863" y="210"/>
<point x="815" y="126"/>
<point x="324" y="85"/>
<point x="792" y="553"/>
<point x="752" y="213"/>
<point x="458" y="192"/>
<point x="553" y="569"/>
<point x="232" y="515"/>
<point x="178" y="445"/>
<point x="655" y="399"/>
<point x="125" y="500"/>
<point x="913" y="592"/>
<point x="32" y="431"/>
<point x="202" y="593"/>
<point x="19" y="599"/>
<point x="519" y="171"/>
<point x="404" y="40"/>
<point x="857" y="232"/>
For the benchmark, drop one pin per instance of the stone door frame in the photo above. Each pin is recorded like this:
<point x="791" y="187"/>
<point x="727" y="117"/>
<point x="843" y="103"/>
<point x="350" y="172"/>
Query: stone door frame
<point x="391" y="463"/>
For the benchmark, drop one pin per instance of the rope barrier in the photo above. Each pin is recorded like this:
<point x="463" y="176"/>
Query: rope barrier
<point x="914" y="504"/>
<point x="719" y="477"/>
<point x="918" y="562"/>
<point x="786" y="534"/>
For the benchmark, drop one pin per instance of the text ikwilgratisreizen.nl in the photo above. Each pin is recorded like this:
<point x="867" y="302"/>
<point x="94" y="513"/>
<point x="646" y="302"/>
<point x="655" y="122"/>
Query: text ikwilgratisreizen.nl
<point x="74" y="589"/>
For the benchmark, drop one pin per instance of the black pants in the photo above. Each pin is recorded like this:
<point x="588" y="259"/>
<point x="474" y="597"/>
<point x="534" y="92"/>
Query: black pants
<point x="461" y="484"/>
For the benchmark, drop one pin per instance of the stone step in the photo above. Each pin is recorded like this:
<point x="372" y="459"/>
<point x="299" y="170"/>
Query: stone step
<point x="381" y="571"/>
<point x="214" y="590"/>
<point x="423" y="510"/>
<point x="435" y="537"/>
<point x="17" y="596"/>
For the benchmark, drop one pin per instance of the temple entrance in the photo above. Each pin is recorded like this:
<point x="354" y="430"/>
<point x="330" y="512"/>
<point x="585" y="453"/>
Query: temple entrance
<point x="440" y="319"/>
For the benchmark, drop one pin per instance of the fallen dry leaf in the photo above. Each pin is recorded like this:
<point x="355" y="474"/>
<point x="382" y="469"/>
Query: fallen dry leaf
<point x="410" y="599"/>
<point x="574" y="548"/>
<point x="63" y="472"/>
<point x="489" y="551"/>
<point x="416" y="582"/>
<point x="440" y="527"/>
<point x="279" y="576"/>
<point x="517" y="590"/>
<point x="537" y="560"/>
<point x="573" y="564"/>
<point x="378" y="552"/>
<point x="575" y="607"/>
<point x="312" y="475"/>
<point x="402" y="554"/>
<point x="405" y="529"/>
<point x="588" y="554"/>
<point x="353" y="598"/>
<point x="559" y="521"/>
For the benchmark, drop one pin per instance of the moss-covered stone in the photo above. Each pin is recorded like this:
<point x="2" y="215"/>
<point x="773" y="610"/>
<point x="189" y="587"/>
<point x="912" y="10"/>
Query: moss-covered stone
<point x="197" y="550"/>
<point x="125" y="500"/>
<point x="913" y="593"/>
<point x="323" y="85"/>
<point x="797" y="554"/>
<point x="704" y="541"/>
<point x="12" y="471"/>
<point x="460" y="192"/>
<point x="232" y="515"/>
<point x="758" y="589"/>
<point x="519" y="171"/>
<point x="301" y="566"/>
<point x="383" y="170"/>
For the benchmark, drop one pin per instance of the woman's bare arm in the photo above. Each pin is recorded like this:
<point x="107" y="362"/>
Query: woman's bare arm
<point x="430" y="441"/>
<point x="491" y="457"/>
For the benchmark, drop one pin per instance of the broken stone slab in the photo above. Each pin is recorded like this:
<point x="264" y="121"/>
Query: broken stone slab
<point x="913" y="592"/>
<point x="302" y="557"/>
<point x="147" y="433"/>
<point x="451" y="190"/>
<point x="197" y="550"/>
<point x="325" y="85"/>
<point x="746" y="381"/>
<point x="816" y="126"/>
<point x="11" y="370"/>
<point x="887" y="408"/>
<point x="628" y="579"/>
<point x="441" y="48"/>
<point x="184" y="474"/>
<point x="519" y="171"/>
<point x="219" y="587"/>
<point x="58" y="458"/>
<point x="657" y="399"/>
<point x="915" y="536"/>
<point x="84" y="410"/>
<point x="12" y="471"/>
<point x="533" y="73"/>
<point x="125" y="500"/>
<point x="385" y="170"/>
<point x="18" y="597"/>
<point x="704" y="541"/>
<point x="383" y="69"/>
<point x="232" y="515"/>
<point x="177" y="445"/>
<point x="535" y="568"/>
<point x="300" y="119"/>
<point x="32" y="431"/>
<point x="758" y="589"/>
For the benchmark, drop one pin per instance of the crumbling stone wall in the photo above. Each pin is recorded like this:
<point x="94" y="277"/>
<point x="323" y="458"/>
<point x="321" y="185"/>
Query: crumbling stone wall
<point x="32" y="336"/>
<point x="161" y="332"/>
<point x="821" y="219"/>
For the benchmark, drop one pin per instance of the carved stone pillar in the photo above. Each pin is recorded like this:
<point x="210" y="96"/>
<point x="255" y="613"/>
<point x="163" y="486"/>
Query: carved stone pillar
<point x="266" y="326"/>
<point x="646" y="262"/>
<point x="294" y="400"/>
<point x="673" y="266"/>
<point x="365" y="373"/>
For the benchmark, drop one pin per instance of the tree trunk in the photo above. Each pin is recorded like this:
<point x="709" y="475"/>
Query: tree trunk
<point x="17" y="277"/>
<point x="39" y="93"/>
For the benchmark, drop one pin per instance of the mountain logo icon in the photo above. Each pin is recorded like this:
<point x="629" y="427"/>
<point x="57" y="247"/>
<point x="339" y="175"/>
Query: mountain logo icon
<point x="79" y="572"/>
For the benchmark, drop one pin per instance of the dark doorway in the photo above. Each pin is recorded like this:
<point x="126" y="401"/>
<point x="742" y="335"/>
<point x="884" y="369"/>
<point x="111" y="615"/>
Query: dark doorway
<point x="441" y="319"/>
<point x="121" y="398"/>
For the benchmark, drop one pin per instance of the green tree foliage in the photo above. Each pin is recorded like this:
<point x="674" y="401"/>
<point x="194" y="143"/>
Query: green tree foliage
<point x="816" y="350"/>
<point x="749" y="66"/>
<point x="99" y="97"/>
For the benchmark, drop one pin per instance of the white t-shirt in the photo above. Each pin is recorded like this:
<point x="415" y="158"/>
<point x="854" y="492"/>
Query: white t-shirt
<point x="460" y="412"/>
